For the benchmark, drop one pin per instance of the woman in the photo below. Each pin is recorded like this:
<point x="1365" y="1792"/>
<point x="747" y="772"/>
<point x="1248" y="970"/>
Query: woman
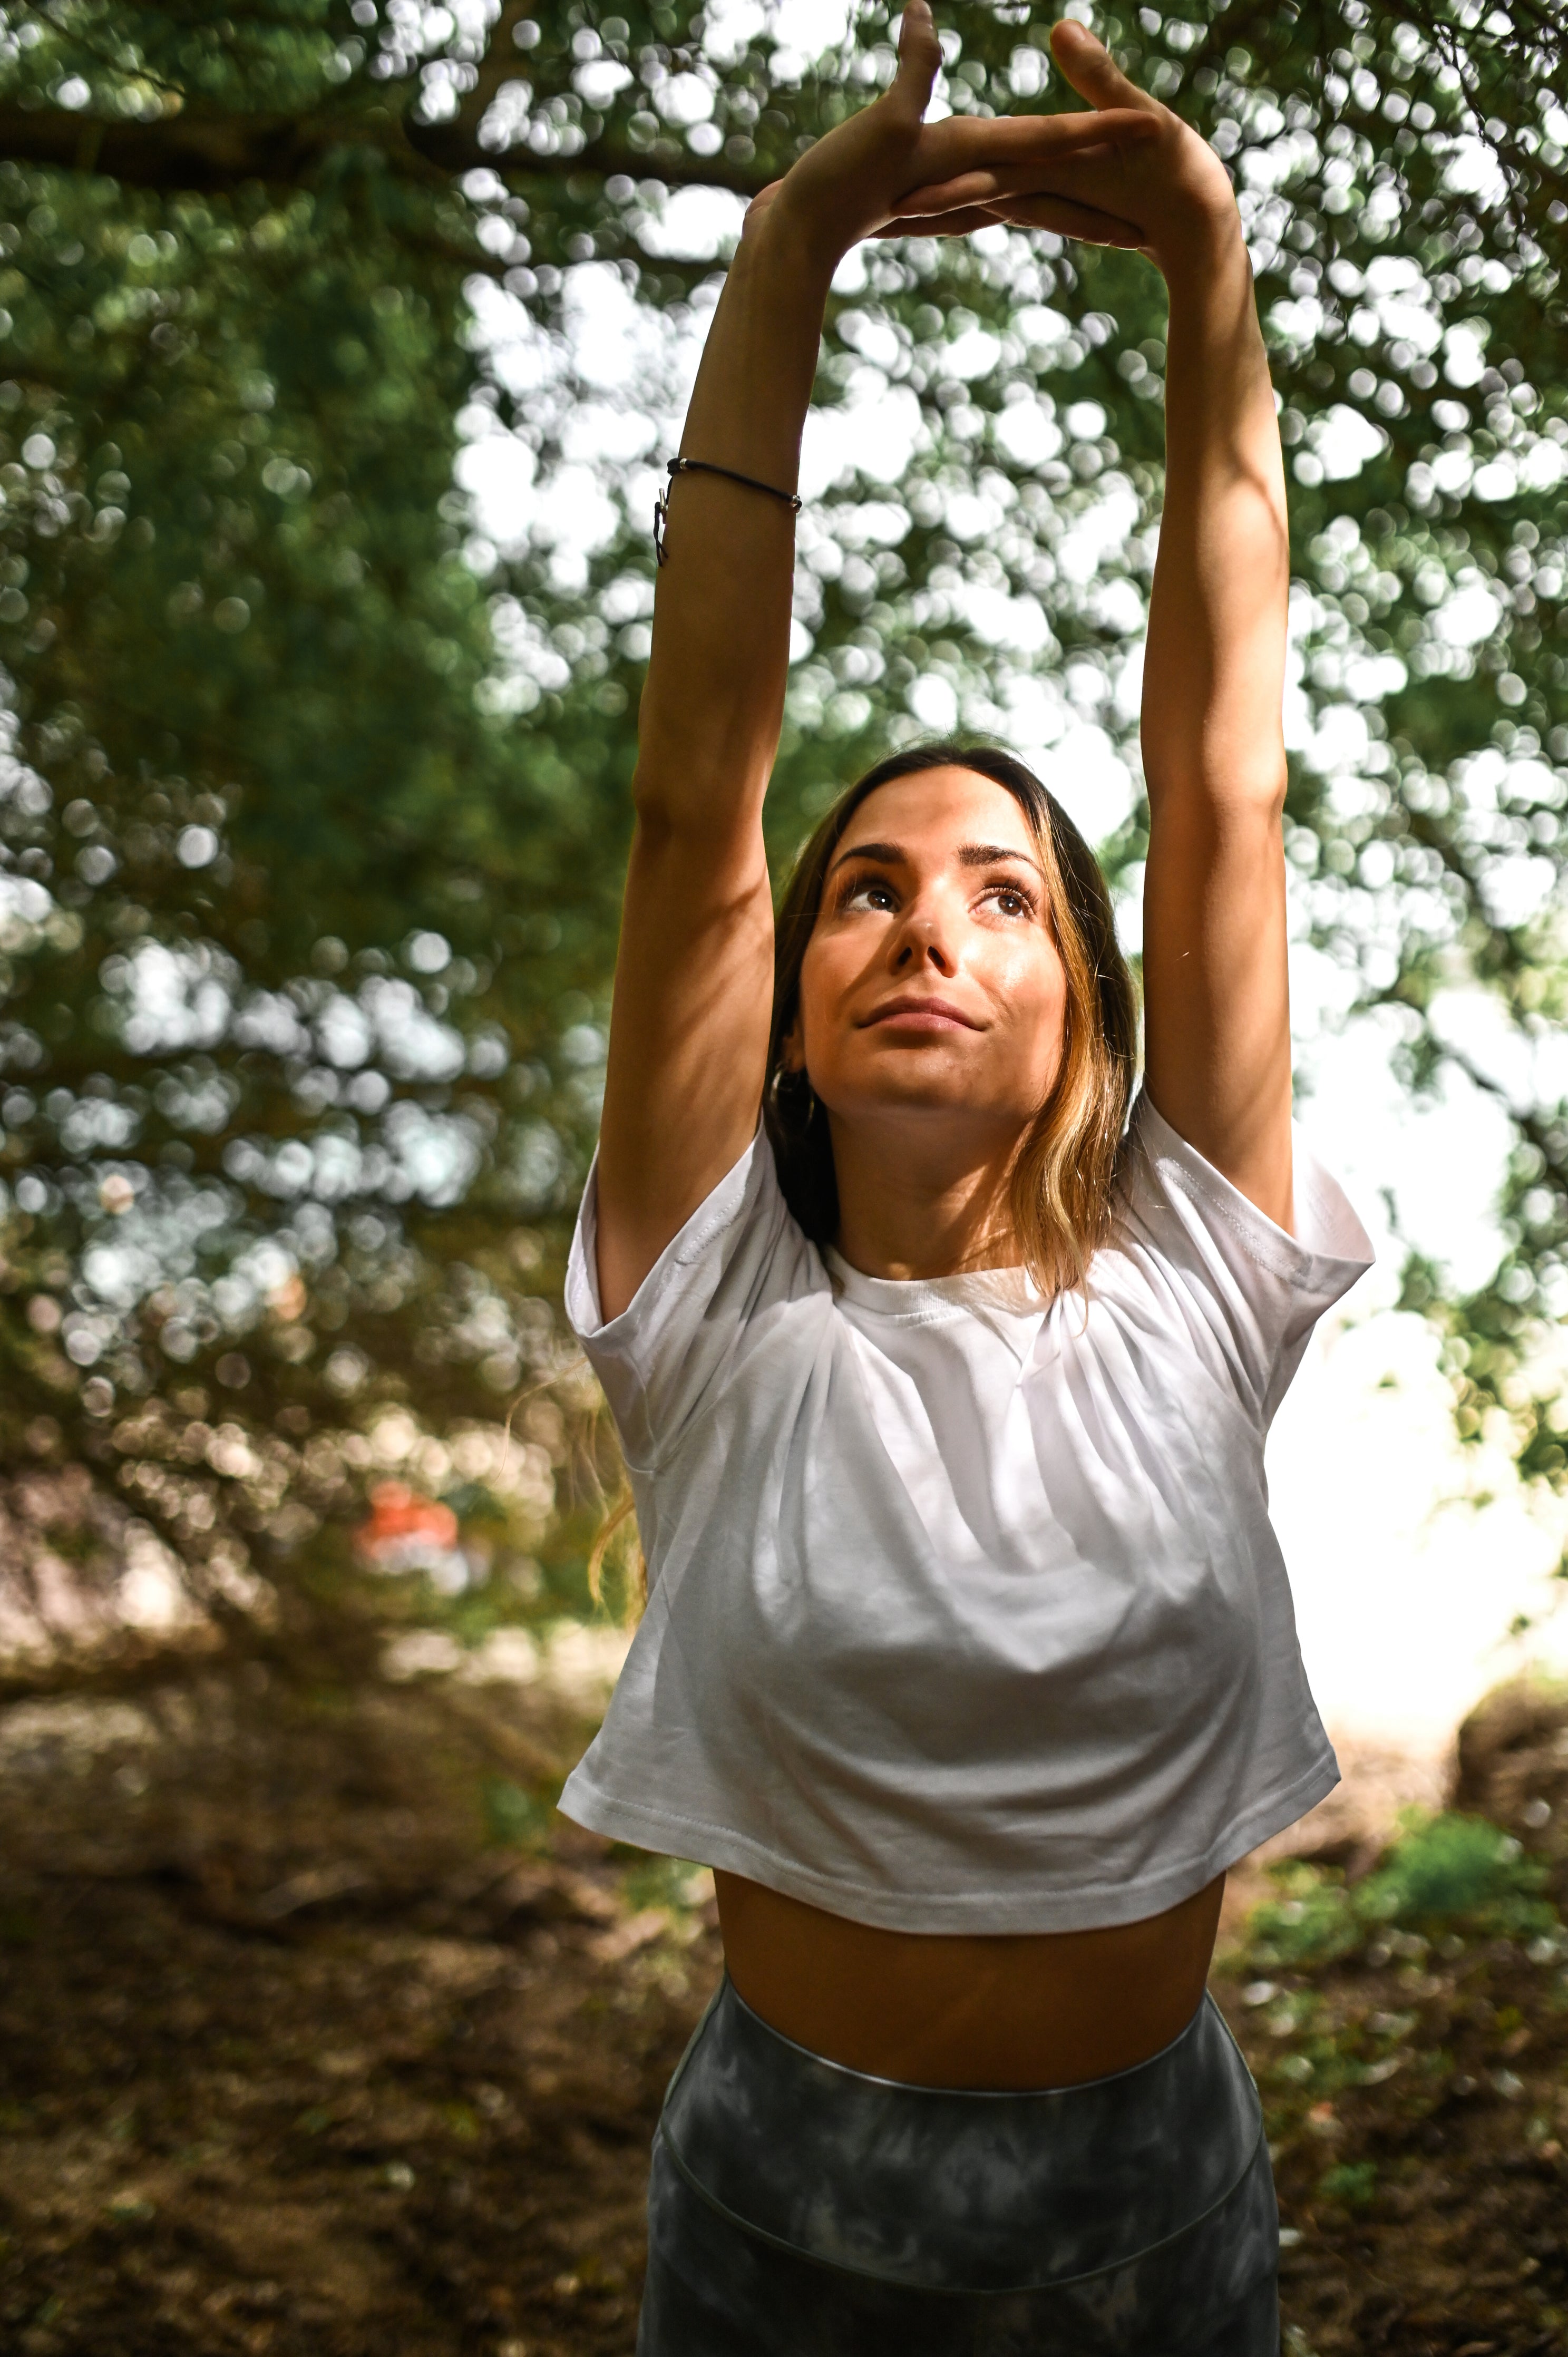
<point x="969" y="1661"/>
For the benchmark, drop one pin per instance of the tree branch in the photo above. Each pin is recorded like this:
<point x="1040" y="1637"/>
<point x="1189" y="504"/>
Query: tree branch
<point x="200" y="152"/>
<point x="211" y="153"/>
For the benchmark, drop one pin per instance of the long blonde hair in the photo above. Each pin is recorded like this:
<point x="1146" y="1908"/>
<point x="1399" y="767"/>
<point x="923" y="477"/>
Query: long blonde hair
<point x="1063" y="1177"/>
<point x="618" y="1532"/>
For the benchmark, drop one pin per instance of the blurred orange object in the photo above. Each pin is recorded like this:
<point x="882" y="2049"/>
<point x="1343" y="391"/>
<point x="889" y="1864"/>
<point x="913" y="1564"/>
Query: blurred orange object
<point x="406" y="1532"/>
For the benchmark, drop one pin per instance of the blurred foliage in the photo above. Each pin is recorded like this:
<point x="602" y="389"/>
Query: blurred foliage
<point x="1443" y="1873"/>
<point x="672" y="1883"/>
<point x="514" y="1817"/>
<point x="1354" y="2182"/>
<point x="313" y="805"/>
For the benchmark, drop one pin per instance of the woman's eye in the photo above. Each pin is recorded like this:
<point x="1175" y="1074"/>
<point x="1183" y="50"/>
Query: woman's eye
<point x="870" y="895"/>
<point x="1011" y="903"/>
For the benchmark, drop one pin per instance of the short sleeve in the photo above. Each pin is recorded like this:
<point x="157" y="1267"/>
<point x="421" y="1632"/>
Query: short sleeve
<point x="1247" y="1288"/>
<point x="739" y="1255"/>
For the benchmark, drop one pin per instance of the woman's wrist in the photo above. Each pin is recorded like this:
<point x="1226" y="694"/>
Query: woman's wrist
<point x="1198" y="240"/>
<point x="784" y="235"/>
<point x="1198" y="225"/>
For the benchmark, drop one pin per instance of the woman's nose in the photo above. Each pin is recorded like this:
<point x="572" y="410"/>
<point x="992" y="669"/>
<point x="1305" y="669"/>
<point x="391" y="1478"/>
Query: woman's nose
<point x="920" y="945"/>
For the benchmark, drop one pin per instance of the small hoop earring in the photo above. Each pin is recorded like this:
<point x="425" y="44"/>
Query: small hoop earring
<point x="788" y="1088"/>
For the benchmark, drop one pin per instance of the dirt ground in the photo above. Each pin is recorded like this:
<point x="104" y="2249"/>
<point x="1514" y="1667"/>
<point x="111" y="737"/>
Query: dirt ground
<point x="320" y="2036"/>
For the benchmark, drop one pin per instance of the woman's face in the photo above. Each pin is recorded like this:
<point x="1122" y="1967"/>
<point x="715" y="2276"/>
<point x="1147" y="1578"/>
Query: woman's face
<point x="933" y="981"/>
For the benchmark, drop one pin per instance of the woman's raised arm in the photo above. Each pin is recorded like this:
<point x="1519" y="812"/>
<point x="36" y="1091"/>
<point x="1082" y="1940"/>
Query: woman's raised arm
<point x="1217" y="1016"/>
<point x="694" y="974"/>
<point x="1215" y="989"/>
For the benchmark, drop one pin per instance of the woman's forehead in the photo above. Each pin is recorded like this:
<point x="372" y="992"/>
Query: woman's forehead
<point x="936" y="806"/>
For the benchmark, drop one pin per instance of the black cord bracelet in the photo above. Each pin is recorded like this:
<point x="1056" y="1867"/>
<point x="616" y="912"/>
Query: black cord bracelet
<point x="705" y="466"/>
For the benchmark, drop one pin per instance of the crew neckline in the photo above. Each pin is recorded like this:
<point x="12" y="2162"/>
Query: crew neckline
<point x="991" y="1292"/>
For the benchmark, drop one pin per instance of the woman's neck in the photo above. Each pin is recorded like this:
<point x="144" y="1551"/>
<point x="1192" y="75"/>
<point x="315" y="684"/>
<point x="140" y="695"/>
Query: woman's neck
<point x="918" y="1205"/>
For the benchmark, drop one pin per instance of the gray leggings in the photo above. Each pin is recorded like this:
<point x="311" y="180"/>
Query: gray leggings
<point x="799" y="2209"/>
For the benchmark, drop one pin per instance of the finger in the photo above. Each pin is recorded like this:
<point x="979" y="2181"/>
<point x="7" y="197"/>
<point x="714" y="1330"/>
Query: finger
<point x="964" y="142"/>
<point x="1086" y="224"/>
<point x="988" y="182"/>
<point x="1092" y="72"/>
<point x="954" y="224"/>
<point x="919" y="59"/>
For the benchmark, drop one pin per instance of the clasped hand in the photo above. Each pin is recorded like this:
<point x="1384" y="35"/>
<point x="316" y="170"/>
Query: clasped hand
<point x="1128" y="172"/>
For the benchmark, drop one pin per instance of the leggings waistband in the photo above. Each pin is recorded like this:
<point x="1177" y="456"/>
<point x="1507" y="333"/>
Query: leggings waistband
<point x="950" y="2189"/>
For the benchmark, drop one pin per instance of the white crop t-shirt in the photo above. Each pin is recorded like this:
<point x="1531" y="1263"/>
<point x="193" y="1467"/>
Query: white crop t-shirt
<point x="965" y="1611"/>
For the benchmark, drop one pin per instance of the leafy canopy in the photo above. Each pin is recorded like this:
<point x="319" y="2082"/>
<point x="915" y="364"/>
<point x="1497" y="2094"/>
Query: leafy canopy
<point x="339" y="343"/>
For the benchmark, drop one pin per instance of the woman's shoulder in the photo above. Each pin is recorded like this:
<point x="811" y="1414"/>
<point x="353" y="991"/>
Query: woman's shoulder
<point x="1190" y="1254"/>
<point x="721" y="1283"/>
<point x="1169" y="1196"/>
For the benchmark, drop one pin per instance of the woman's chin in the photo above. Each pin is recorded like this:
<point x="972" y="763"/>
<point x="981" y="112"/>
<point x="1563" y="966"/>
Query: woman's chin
<point x="934" y="1090"/>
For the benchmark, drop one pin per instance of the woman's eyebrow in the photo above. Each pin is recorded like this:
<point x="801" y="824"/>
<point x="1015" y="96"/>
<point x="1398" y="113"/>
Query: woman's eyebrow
<point x="971" y="854"/>
<point x="886" y="855"/>
<point x="986" y="854"/>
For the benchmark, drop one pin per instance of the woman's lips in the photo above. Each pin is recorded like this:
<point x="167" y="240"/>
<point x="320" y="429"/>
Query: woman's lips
<point x="921" y="1015"/>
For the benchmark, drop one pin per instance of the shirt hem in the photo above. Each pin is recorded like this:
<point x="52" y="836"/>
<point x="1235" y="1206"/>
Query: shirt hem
<point x="1092" y="1907"/>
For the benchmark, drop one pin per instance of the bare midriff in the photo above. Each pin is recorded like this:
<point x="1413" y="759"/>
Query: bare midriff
<point x="969" y="2010"/>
